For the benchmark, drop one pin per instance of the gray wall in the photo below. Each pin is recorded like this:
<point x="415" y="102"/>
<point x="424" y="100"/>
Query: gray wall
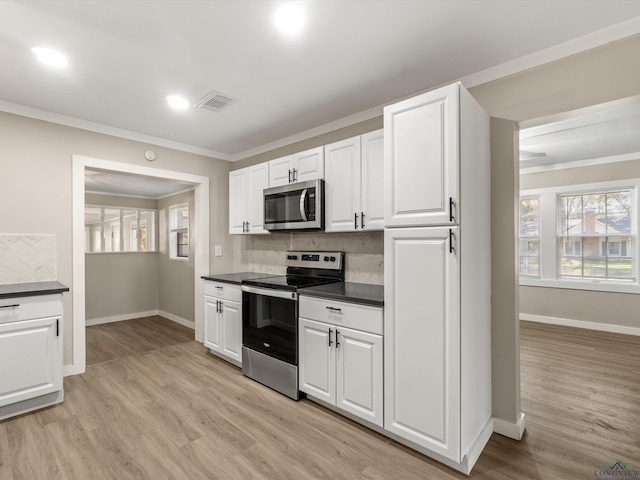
<point x="119" y="284"/>
<point x="36" y="156"/>
<point x="118" y="201"/>
<point x="590" y="306"/>
<point x="176" y="281"/>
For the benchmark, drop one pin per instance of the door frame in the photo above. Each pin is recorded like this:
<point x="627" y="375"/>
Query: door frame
<point x="200" y="234"/>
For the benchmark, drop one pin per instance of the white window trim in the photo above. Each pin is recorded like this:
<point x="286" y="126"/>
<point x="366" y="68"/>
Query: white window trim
<point x="104" y="231"/>
<point x="549" y="248"/>
<point x="173" y="252"/>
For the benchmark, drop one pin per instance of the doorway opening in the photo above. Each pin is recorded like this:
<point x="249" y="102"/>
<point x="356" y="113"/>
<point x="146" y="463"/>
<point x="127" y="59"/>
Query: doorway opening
<point x="199" y="236"/>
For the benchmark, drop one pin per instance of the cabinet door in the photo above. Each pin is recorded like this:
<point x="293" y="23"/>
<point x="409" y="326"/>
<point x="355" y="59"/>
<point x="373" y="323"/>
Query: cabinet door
<point x="30" y="359"/>
<point x="231" y="320"/>
<point x="342" y="186"/>
<point x="212" y="324"/>
<point x="309" y="164"/>
<point x="422" y="338"/>
<point x="281" y="171"/>
<point x="373" y="180"/>
<point x="317" y="364"/>
<point x="258" y="180"/>
<point x="237" y="201"/>
<point x="359" y="374"/>
<point x="421" y="142"/>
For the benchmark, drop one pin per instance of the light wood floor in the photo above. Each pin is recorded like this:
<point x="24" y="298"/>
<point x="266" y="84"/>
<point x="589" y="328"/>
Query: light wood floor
<point x="177" y="412"/>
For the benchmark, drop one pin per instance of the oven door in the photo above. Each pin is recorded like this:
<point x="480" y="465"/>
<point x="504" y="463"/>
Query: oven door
<point x="270" y="322"/>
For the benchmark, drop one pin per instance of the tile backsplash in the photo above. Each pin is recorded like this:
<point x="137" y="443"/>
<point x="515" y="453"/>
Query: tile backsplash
<point x="364" y="252"/>
<point x="27" y="258"/>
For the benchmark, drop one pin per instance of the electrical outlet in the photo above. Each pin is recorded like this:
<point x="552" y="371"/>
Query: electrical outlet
<point x="218" y="250"/>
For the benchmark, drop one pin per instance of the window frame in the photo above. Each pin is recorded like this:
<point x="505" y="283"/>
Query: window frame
<point x="175" y="232"/>
<point x="529" y="237"/>
<point x="549" y="214"/>
<point x="98" y="236"/>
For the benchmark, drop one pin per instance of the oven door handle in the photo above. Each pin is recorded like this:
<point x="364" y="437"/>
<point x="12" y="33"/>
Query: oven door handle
<point x="269" y="292"/>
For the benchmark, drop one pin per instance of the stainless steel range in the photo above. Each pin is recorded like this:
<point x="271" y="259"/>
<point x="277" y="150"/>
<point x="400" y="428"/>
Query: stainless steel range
<point x="270" y="318"/>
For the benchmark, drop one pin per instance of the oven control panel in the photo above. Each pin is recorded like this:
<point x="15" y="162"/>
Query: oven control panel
<point x="330" y="260"/>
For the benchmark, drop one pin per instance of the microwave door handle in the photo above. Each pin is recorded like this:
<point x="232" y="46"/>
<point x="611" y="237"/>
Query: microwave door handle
<point x="303" y="197"/>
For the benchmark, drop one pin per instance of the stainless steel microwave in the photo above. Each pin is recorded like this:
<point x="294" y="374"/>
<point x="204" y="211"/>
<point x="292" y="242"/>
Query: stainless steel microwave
<point x="297" y="206"/>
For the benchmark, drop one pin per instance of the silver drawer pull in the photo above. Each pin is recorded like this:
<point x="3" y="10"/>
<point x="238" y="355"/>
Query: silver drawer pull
<point x="15" y="305"/>
<point x="334" y="309"/>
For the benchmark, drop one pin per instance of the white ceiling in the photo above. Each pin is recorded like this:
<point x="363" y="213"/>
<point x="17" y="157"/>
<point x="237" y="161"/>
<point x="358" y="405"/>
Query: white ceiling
<point x="125" y="57"/>
<point x="595" y="133"/>
<point x="115" y="183"/>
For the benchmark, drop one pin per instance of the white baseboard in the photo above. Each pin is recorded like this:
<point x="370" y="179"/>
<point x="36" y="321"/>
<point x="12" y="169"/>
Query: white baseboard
<point x="174" y="318"/>
<point x="120" y="318"/>
<point x="67" y="370"/>
<point x="130" y="316"/>
<point x="508" y="429"/>
<point x="568" y="322"/>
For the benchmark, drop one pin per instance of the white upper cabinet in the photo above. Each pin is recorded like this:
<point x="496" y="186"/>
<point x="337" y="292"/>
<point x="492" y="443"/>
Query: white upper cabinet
<point x="342" y="186"/>
<point x="372" y="170"/>
<point x="421" y="151"/>
<point x="237" y="201"/>
<point x="280" y="171"/>
<point x="246" y="210"/>
<point x="354" y="183"/>
<point x="299" y="167"/>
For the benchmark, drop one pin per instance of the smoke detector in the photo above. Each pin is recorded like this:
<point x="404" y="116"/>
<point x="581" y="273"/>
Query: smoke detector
<point x="214" y="101"/>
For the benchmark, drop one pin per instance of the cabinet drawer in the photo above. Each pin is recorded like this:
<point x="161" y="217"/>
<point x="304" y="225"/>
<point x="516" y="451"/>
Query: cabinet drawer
<point x="226" y="291"/>
<point x="27" y="308"/>
<point x="359" y="317"/>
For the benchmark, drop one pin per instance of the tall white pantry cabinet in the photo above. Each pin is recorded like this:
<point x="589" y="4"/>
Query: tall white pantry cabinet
<point x="437" y="275"/>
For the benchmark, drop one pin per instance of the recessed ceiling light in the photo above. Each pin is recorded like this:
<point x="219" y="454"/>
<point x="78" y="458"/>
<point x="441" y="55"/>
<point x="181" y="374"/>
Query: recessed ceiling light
<point x="50" y="57"/>
<point x="290" y="19"/>
<point x="177" y="102"/>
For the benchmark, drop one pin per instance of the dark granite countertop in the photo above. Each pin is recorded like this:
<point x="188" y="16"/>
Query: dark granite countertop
<point x="362" y="293"/>
<point x="14" y="290"/>
<point x="235" y="278"/>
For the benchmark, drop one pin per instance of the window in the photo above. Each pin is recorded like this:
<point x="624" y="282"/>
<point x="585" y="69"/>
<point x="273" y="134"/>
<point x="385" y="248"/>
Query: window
<point x="113" y="229"/>
<point x="530" y="236"/>
<point x="179" y="234"/>
<point x="592" y="229"/>
<point x="581" y="236"/>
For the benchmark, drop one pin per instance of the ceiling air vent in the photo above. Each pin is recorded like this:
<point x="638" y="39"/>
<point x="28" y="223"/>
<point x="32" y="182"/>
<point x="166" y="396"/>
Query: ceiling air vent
<point x="214" y="101"/>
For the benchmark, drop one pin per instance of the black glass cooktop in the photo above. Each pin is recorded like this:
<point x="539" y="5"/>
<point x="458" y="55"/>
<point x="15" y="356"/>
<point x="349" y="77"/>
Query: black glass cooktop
<point x="288" y="283"/>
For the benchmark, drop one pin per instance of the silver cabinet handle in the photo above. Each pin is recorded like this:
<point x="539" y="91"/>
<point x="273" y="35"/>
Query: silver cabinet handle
<point x="295" y="175"/>
<point x="355" y="221"/>
<point x="334" y="309"/>
<point x="362" y="220"/>
<point x="337" y="338"/>
<point x="330" y="332"/>
<point x="289" y="176"/>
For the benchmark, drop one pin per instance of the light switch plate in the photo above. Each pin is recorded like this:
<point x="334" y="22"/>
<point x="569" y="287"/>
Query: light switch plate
<point x="218" y="250"/>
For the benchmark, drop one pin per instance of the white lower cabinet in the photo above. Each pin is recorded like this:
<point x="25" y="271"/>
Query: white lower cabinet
<point x="30" y="353"/>
<point x="223" y="320"/>
<point x="341" y="365"/>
